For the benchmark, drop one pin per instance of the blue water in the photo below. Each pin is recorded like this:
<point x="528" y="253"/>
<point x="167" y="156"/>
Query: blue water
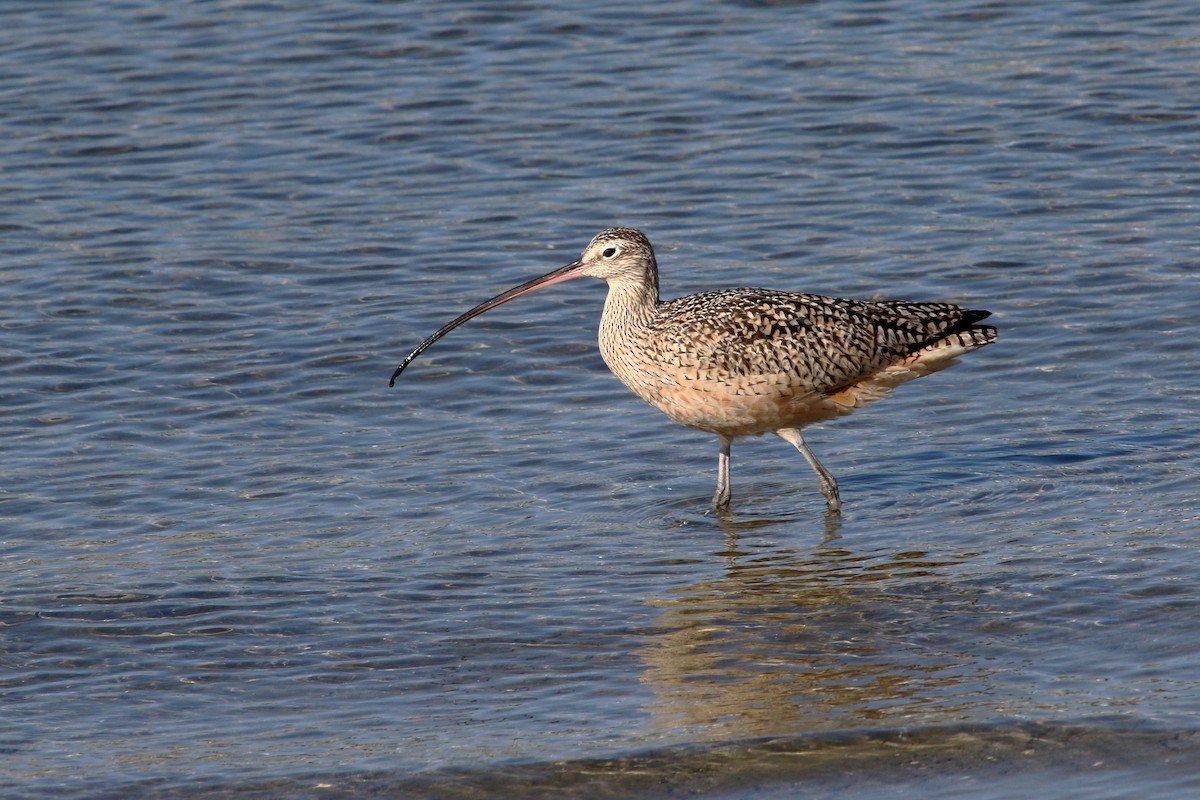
<point x="233" y="558"/>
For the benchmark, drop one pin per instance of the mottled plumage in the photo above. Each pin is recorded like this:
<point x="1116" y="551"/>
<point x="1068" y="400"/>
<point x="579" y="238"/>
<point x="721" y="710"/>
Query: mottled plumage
<point x="743" y="362"/>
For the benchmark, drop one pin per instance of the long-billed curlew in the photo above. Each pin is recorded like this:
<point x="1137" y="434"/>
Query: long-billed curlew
<point x="743" y="362"/>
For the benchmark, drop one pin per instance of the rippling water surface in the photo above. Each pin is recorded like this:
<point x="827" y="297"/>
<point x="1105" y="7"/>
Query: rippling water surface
<point x="237" y="564"/>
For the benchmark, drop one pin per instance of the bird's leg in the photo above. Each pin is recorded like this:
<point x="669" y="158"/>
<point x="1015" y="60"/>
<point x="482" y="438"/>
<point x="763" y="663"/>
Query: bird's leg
<point x="720" y="501"/>
<point x="829" y="486"/>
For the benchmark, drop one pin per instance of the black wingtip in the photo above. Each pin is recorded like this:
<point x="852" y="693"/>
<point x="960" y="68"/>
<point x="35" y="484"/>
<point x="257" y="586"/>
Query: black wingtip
<point x="395" y="375"/>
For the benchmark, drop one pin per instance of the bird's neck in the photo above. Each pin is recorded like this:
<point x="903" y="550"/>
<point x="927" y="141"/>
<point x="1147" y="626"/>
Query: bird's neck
<point x="627" y="339"/>
<point x="626" y="331"/>
<point x="630" y="304"/>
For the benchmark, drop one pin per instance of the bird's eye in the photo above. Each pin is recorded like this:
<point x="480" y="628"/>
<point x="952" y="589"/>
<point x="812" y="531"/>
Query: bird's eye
<point x="609" y="252"/>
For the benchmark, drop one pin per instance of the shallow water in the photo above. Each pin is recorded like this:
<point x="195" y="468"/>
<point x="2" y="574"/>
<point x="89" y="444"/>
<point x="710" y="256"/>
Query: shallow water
<point x="234" y="557"/>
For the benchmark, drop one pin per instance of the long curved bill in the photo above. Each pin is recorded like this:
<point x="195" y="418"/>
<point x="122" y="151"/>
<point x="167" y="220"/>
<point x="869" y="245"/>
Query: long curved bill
<point x="572" y="270"/>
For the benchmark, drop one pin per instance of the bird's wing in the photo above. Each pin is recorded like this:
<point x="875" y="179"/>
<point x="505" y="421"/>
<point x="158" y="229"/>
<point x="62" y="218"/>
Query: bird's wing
<point x="826" y="343"/>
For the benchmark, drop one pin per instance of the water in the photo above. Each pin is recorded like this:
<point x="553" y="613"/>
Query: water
<point x="237" y="564"/>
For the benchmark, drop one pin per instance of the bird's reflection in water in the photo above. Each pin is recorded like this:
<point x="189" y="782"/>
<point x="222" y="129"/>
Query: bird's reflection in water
<point x="787" y="642"/>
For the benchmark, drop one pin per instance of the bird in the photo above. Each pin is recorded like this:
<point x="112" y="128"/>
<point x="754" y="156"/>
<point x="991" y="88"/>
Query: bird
<point x="744" y="362"/>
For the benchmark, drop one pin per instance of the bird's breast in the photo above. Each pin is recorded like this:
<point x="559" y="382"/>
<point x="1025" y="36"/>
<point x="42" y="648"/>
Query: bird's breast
<point x="692" y="383"/>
